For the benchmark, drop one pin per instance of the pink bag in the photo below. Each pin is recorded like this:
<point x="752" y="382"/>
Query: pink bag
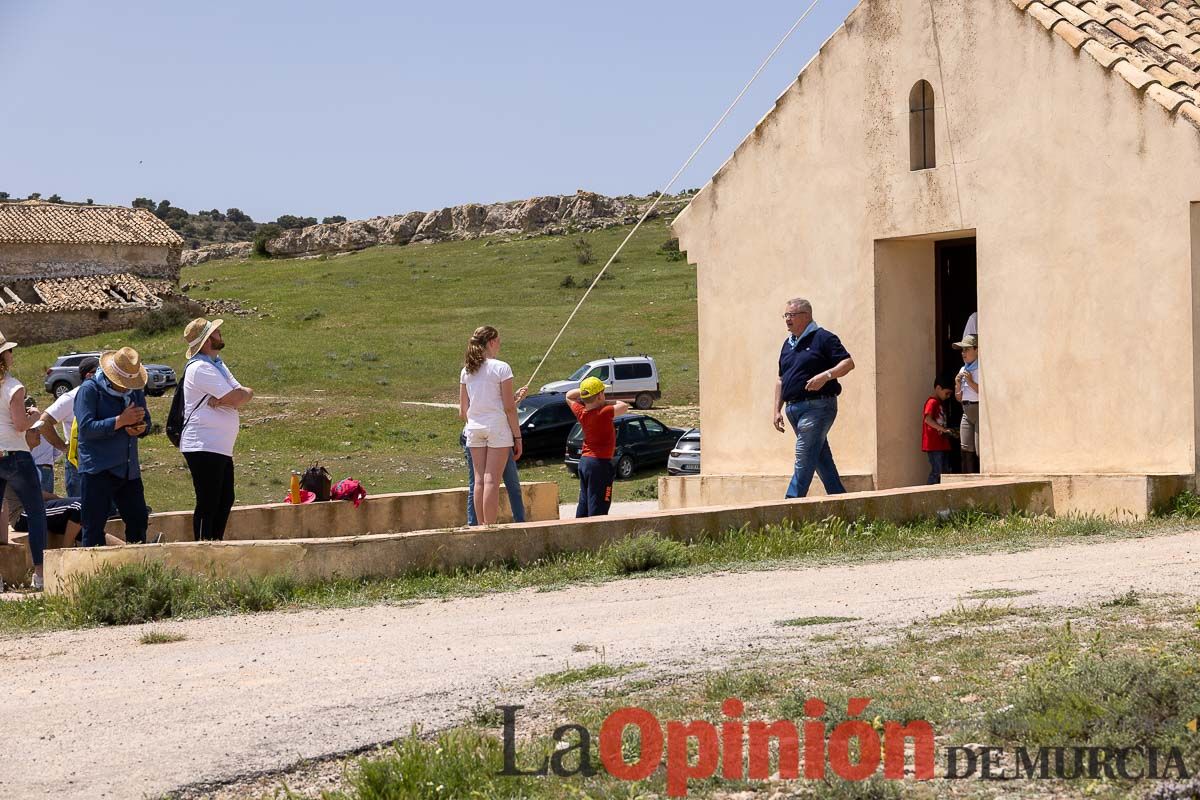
<point x="349" y="489"/>
<point x="305" y="497"/>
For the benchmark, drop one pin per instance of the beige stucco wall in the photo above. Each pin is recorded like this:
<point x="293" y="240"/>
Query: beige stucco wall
<point x="1078" y="193"/>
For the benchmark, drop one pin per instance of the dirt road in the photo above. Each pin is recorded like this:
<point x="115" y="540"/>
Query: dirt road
<point x="93" y="714"/>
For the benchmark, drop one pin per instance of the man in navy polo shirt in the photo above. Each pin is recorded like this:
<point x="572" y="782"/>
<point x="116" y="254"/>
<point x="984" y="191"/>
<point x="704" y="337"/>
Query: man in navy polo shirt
<point x="810" y="363"/>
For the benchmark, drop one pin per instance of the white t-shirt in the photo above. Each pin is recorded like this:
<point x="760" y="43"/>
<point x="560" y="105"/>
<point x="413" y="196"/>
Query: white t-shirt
<point x="207" y="429"/>
<point x="63" y="411"/>
<point x="486" y="406"/>
<point x="45" y="454"/>
<point x="10" y="438"/>
<point x="967" y="392"/>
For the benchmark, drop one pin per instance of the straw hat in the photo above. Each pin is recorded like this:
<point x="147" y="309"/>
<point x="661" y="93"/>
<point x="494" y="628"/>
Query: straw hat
<point x="197" y="332"/>
<point x="124" y="368"/>
<point x="970" y="340"/>
<point x="5" y="344"/>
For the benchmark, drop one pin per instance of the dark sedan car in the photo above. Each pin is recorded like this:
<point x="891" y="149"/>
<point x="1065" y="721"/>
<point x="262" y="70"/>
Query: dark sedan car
<point x="546" y="421"/>
<point x="641" y="442"/>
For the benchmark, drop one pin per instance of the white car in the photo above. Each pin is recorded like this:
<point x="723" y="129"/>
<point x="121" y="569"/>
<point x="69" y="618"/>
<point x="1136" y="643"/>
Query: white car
<point x="685" y="457"/>
<point x="632" y="378"/>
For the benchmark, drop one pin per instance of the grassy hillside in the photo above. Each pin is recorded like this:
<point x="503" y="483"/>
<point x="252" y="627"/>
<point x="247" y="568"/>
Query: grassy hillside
<point x="339" y="346"/>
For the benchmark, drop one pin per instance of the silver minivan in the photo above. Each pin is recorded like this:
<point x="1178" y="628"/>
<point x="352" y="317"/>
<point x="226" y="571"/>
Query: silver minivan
<point x="633" y="378"/>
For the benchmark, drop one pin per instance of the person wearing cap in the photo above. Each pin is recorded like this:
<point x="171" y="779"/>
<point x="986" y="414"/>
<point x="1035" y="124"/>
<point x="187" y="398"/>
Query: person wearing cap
<point x="810" y="363"/>
<point x="110" y="417"/>
<point x="62" y="412"/>
<point x="211" y="399"/>
<point x="596" y="417"/>
<point x="17" y="469"/>
<point x="966" y="391"/>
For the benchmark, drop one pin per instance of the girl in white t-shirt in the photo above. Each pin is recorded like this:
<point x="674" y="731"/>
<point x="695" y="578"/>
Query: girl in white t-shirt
<point x="16" y="464"/>
<point x="487" y="403"/>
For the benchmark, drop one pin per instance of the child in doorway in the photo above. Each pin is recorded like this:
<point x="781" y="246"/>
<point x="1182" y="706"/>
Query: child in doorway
<point x="935" y="436"/>
<point x="595" y="415"/>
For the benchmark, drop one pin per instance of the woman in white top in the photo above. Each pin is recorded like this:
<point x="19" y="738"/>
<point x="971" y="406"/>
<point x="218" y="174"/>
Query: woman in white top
<point x="16" y="464"/>
<point x="966" y="391"/>
<point x="487" y="403"/>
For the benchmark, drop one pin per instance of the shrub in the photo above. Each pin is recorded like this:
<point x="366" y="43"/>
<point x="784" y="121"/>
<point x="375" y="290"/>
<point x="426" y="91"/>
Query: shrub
<point x="264" y="234"/>
<point x="1185" y="505"/>
<point x="645" y="552"/>
<point x="647" y="492"/>
<point x="333" y="219"/>
<point x="583" y="251"/>
<point x="670" y="250"/>
<point x="567" y="282"/>
<point x="169" y="317"/>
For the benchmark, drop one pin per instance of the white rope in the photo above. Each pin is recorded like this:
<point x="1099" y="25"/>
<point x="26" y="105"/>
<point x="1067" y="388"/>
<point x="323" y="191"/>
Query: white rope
<point x="650" y="209"/>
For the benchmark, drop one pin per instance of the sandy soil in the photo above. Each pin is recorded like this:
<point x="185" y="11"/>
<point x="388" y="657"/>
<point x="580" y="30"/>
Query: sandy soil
<point x="92" y="714"/>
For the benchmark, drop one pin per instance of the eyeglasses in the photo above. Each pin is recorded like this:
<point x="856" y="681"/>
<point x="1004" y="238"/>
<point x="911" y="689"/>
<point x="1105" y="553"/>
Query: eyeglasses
<point x="793" y="314"/>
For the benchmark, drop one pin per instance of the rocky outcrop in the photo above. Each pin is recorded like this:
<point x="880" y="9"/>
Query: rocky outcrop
<point x="214" y="252"/>
<point x="582" y="211"/>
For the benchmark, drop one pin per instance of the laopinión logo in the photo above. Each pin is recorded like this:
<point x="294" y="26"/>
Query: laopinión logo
<point x="854" y="750"/>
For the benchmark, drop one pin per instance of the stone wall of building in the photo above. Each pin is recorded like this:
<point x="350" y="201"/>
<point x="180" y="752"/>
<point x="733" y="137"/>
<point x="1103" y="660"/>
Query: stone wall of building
<point x="71" y="260"/>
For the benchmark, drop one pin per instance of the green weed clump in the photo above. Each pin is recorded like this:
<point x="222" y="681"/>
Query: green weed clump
<point x="646" y="552"/>
<point x="169" y="317"/>
<point x="1087" y="693"/>
<point x="1185" y="506"/>
<point x="132" y="594"/>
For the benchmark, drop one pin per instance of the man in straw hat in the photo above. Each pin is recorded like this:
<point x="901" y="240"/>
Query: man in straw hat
<point x="211" y="399"/>
<point x="111" y="414"/>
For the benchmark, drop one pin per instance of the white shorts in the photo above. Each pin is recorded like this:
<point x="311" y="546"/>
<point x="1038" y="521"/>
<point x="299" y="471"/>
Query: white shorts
<point x="497" y="435"/>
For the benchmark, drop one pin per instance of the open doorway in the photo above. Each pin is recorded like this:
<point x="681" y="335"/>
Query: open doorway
<point x="957" y="299"/>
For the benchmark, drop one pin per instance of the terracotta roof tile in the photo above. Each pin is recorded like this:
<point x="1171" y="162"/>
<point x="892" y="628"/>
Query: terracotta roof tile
<point x="1153" y="45"/>
<point x="121" y="290"/>
<point x="34" y="222"/>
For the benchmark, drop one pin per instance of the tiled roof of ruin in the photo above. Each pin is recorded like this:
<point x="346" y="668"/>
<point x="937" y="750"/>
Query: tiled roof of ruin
<point x="35" y="222"/>
<point x="90" y="293"/>
<point x="1154" y="45"/>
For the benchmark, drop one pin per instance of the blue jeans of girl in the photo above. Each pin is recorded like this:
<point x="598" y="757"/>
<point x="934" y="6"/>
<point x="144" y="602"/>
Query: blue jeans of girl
<point x="18" y="470"/>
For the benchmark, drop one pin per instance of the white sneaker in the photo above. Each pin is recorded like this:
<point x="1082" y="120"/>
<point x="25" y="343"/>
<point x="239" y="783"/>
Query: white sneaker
<point x="37" y="583"/>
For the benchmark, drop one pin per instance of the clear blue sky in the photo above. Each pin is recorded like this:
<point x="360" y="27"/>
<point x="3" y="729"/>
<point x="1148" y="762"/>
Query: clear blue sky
<point x="367" y="107"/>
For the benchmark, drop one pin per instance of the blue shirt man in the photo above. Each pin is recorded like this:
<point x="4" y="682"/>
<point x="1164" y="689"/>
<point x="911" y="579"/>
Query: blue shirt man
<point x="810" y="363"/>
<point x="111" y="412"/>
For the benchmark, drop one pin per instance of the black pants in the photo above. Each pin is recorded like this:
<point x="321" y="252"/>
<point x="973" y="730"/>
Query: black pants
<point x="595" y="487"/>
<point x="99" y="490"/>
<point x="212" y="478"/>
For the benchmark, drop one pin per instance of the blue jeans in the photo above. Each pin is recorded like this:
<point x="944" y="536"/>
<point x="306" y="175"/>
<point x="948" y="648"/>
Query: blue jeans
<point x="939" y="463"/>
<point x="18" y="470"/>
<point x="811" y="421"/>
<point x="46" y="473"/>
<point x="71" y="480"/>
<point x="99" y="491"/>
<point x="512" y="484"/>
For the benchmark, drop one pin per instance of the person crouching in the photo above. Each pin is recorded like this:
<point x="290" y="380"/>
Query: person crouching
<point x="111" y="413"/>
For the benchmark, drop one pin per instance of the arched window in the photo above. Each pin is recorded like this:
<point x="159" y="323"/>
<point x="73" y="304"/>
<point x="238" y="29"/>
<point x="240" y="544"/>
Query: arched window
<point x="921" y="149"/>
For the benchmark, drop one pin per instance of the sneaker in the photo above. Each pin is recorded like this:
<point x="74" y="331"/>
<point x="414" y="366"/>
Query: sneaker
<point x="37" y="583"/>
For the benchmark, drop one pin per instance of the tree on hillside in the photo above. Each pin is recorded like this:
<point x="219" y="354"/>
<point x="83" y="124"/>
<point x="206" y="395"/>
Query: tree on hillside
<point x="54" y="198"/>
<point x="333" y="219"/>
<point x="265" y="234"/>
<point x="4" y="195"/>
<point x="236" y="215"/>
<point x="143" y="202"/>
<point x="288" y="222"/>
<point x="35" y="195"/>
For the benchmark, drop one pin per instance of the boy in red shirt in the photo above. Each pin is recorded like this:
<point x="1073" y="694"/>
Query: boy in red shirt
<point x="595" y="415"/>
<point x="935" y="436"/>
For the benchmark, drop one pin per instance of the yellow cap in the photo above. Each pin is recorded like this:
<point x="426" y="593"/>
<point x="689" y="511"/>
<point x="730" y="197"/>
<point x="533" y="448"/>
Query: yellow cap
<point x="590" y="388"/>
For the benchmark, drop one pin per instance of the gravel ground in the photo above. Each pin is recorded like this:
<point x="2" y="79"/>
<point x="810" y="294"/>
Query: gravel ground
<point x="96" y="714"/>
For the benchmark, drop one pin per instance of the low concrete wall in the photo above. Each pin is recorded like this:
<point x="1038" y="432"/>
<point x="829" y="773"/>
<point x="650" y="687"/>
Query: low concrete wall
<point x="380" y="513"/>
<point x="15" y="563"/>
<point x="1120" y="497"/>
<point x="697" y="491"/>
<point x="390" y="555"/>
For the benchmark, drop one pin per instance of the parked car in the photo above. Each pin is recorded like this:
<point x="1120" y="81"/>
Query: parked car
<point x="63" y="375"/>
<point x="685" y="458"/>
<point x="546" y="421"/>
<point x="642" y="442"/>
<point x="633" y="378"/>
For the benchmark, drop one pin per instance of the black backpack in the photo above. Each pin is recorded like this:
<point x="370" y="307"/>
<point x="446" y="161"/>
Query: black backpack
<point x="175" y="419"/>
<point x="316" y="479"/>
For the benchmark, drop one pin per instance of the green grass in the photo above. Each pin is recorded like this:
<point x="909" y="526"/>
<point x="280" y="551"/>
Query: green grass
<point x="998" y="594"/>
<point x="337" y="344"/>
<point x="161" y="637"/>
<point x="804" y="622"/>
<point x="1114" y="676"/>
<point x="568" y="677"/>
<point x="139" y="593"/>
